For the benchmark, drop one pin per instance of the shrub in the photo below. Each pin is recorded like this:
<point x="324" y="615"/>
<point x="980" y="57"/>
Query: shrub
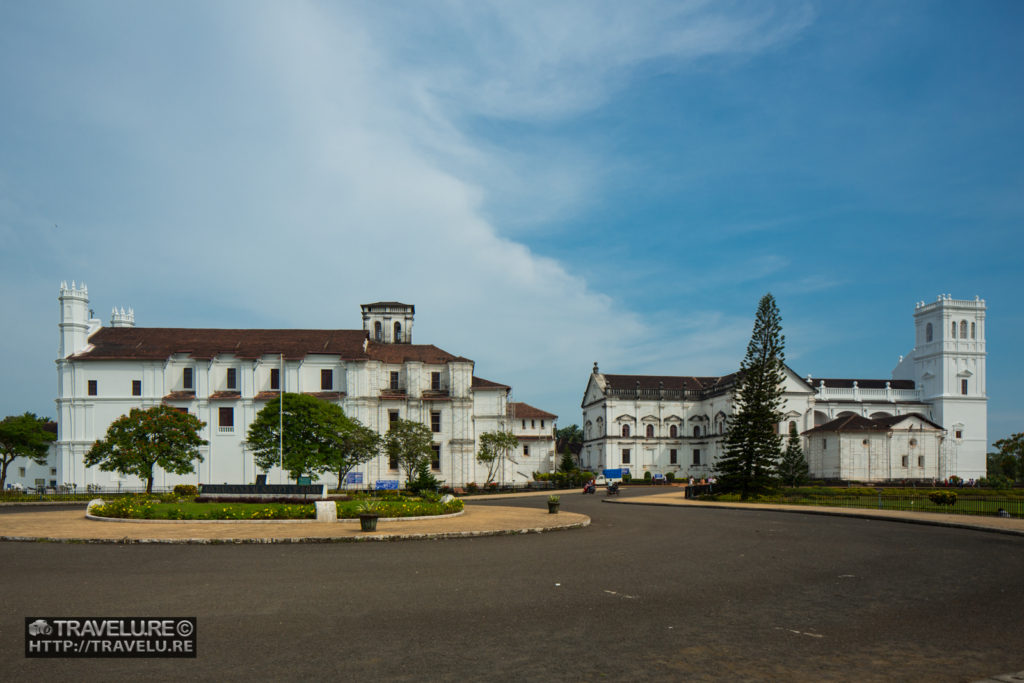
<point x="647" y="476"/>
<point x="471" y="487"/>
<point x="626" y="478"/>
<point x="186" y="491"/>
<point x="670" y="477"/>
<point x="942" y="497"/>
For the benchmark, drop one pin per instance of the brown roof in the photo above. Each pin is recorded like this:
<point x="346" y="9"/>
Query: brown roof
<point x="668" y="382"/>
<point x="180" y="396"/>
<point x="833" y="383"/>
<point x="525" y="410"/>
<point x="225" y="395"/>
<point x="159" y="343"/>
<point x="480" y="383"/>
<point x="859" y="423"/>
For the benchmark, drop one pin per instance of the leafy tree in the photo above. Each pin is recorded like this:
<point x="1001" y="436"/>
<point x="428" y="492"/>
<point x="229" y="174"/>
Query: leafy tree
<point x="495" y="448"/>
<point x="570" y="437"/>
<point x="357" y="445"/>
<point x="1009" y="460"/>
<point x="159" y="436"/>
<point x="314" y="432"/>
<point x="793" y="468"/>
<point x="23" y="436"/>
<point x="752" y="443"/>
<point x="408" y="443"/>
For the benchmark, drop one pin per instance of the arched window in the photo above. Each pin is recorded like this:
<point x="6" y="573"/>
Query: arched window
<point x="928" y="332"/>
<point x="963" y="329"/>
<point x="696" y="430"/>
<point x="650" y="431"/>
<point x="673" y="431"/>
<point x="398" y="332"/>
<point x="377" y="331"/>
<point x="625" y="430"/>
<point x="952" y="330"/>
<point x="792" y="426"/>
<point x="973" y="329"/>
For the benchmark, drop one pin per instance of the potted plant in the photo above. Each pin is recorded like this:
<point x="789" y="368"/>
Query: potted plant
<point x="553" y="503"/>
<point x="368" y="513"/>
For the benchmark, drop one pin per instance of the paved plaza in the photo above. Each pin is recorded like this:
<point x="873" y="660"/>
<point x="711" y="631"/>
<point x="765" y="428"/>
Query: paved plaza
<point x="644" y="592"/>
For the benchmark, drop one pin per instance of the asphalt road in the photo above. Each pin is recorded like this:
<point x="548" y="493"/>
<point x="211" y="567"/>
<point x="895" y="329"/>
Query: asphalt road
<point x="644" y="593"/>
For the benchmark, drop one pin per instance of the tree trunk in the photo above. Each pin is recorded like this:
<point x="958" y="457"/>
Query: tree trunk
<point x="149" y="484"/>
<point x="3" y="471"/>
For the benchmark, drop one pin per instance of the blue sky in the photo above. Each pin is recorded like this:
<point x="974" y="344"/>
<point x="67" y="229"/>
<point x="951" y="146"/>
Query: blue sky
<point x="551" y="183"/>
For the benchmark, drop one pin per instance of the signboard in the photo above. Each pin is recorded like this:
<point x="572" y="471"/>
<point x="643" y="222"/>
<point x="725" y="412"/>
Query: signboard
<point x="354" y="478"/>
<point x="305" y="481"/>
<point x="387" y="485"/>
<point x="612" y="474"/>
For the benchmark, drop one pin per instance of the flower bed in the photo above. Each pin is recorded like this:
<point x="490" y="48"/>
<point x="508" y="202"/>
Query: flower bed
<point x="137" y="507"/>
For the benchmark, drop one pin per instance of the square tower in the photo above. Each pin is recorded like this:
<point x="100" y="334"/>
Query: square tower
<point x="389" y="322"/>
<point x="948" y="367"/>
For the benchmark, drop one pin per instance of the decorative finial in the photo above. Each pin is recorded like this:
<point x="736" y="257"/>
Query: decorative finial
<point x="595" y="367"/>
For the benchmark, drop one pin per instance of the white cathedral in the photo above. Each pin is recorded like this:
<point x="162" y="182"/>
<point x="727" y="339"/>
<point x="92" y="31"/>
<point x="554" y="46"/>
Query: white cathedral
<point x="926" y="423"/>
<point x="224" y="377"/>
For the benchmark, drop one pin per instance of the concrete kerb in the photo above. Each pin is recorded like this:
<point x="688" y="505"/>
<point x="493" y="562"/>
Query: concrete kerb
<point x="1012" y="527"/>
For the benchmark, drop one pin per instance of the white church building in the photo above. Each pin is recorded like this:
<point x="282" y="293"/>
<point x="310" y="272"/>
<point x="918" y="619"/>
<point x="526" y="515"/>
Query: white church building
<point x="225" y="376"/>
<point x="927" y="422"/>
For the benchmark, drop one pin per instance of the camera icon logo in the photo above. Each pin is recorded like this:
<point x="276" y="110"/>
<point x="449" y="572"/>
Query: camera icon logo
<point x="40" y="627"/>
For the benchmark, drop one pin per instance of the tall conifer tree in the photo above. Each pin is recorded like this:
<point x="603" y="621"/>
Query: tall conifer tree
<point x="753" y="445"/>
<point x="793" y="469"/>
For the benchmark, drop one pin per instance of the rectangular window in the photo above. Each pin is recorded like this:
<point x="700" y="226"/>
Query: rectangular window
<point x="232" y="378"/>
<point x="526" y="450"/>
<point x="275" y="379"/>
<point x="136" y="387"/>
<point x="696" y="456"/>
<point x="533" y="424"/>
<point x="21" y="471"/>
<point x="904" y="460"/>
<point x="326" y="380"/>
<point x="226" y="419"/>
<point x="524" y="424"/>
<point x="394" y="380"/>
<point x="392" y="417"/>
<point x="824" y="443"/>
<point x="625" y="456"/>
<point x="435" y="459"/>
<point x="542" y="424"/>
<point x="93" y="387"/>
<point x="673" y="457"/>
<point x="435" y="381"/>
<point x="53" y="471"/>
<point x="920" y="461"/>
<point x="392" y="462"/>
<point x="186" y="378"/>
<point x="959" y="434"/>
<point x="963" y="387"/>
<point x="435" y="421"/>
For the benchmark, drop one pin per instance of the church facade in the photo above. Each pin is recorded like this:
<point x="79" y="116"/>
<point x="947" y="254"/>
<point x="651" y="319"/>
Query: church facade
<point x="225" y="377"/>
<point x="926" y="422"/>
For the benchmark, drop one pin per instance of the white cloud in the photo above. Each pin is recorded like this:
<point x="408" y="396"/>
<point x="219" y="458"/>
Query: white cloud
<point x="321" y="156"/>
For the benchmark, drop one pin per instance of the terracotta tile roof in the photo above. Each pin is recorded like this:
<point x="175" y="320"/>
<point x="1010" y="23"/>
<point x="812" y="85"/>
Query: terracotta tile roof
<point x="480" y="383"/>
<point x="324" y="395"/>
<point x="833" y="383"/>
<point x="225" y="395"/>
<point x="267" y="395"/>
<point x="400" y="353"/>
<point x="180" y="396"/>
<point x="159" y="343"/>
<point x="525" y="410"/>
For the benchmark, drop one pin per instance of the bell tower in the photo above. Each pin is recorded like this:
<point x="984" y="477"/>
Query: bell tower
<point x="389" y="322"/>
<point x="948" y="368"/>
